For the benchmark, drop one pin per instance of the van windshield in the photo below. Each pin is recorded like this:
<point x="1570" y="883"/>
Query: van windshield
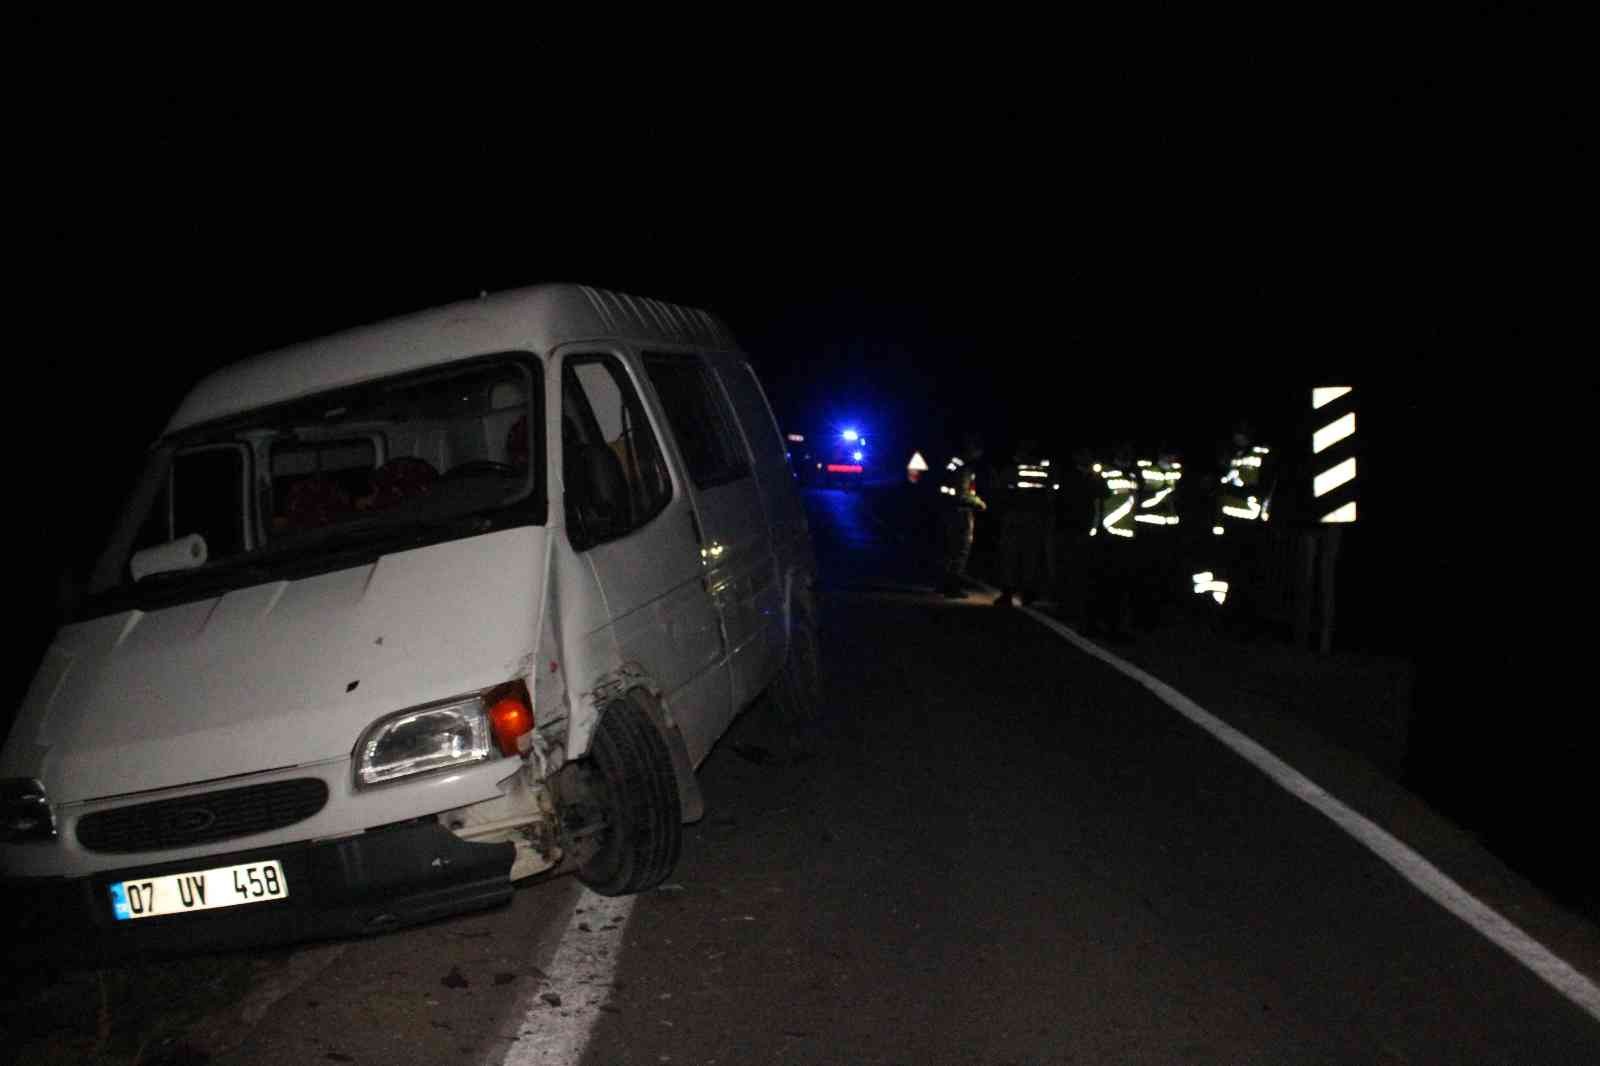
<point x="386" y="465"/>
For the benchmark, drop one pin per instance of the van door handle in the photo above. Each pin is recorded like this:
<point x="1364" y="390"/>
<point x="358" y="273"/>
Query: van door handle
<point x="705" y="561"/>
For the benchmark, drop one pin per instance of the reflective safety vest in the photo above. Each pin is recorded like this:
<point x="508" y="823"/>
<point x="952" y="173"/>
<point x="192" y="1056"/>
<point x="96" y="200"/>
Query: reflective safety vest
<point x="1118" y="502"/>
<point x="1031" y="485"/>
<point x="959" y="487"/>
<point x="1158" y="489"/>
<point x="1246" y="494"/>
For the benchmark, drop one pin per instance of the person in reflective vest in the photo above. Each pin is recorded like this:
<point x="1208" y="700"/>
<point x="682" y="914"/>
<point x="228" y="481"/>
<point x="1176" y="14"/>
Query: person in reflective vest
<point x="1245" y="493"/>
<point x="1027" y="498"/>
<point x="1158" y="487"/>
<point x="960" y="503"/>
<point x="1119" y="499"/>
<point x="1113" y="567"/>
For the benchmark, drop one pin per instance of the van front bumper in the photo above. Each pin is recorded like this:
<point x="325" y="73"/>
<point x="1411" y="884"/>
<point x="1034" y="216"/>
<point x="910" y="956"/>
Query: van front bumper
<point x="380" y="879"/>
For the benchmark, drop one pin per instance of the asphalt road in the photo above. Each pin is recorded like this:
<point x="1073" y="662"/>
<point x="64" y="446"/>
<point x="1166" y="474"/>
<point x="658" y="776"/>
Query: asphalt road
<point x="992" y="849"/>
<point x="1006" y="853"/>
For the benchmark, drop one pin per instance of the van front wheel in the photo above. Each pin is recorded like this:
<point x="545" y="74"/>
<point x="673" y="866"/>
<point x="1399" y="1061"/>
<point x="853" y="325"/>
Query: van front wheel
<point x="631" y="776"/>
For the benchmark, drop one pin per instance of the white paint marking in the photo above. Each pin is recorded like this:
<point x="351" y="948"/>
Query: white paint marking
<point x="581" y="974"/>
<point x="1555" y="972"/>
<point x="1333" y="433"/>
<point x="1320" y="398"/>
<point x="1333" y="477"/>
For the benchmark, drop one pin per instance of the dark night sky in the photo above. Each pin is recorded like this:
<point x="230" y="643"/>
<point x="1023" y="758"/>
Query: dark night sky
<point x="1169" y="265"/>
<point x="1074" y="256"/>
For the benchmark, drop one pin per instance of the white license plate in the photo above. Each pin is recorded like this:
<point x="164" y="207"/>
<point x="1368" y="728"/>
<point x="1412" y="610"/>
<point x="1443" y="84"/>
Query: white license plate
<point x="199" y="890"/>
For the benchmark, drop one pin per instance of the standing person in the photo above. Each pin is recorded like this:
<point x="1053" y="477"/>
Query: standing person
<point x="1077" y="513"/>
<point x="1111" y="564"/>
<point x="1027" y="526"/>
<point x="958" y="519"/>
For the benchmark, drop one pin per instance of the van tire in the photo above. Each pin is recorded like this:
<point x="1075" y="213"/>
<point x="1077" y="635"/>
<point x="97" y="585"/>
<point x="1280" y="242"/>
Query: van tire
<point x="639" y="790"/>
<point x="798" y="687"/>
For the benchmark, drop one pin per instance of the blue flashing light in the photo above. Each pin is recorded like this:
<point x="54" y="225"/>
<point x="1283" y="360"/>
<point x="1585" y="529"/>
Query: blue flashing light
<point x="850" y="436"/>
<point x="856" y="456"/>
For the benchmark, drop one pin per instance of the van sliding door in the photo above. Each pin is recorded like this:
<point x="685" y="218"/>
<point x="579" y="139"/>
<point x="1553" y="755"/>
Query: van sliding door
<point x="740" y="570"/>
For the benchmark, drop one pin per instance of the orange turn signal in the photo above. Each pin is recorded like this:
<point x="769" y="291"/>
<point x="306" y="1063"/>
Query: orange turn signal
<point x="510" y="717"/>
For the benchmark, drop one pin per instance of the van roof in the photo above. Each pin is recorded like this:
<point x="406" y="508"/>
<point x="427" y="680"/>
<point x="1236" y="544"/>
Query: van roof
<point x="537" y="319"/>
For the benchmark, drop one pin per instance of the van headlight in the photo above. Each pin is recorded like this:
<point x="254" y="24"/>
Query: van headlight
<point x="498" y="722"/>
<point x="424" y="739"/>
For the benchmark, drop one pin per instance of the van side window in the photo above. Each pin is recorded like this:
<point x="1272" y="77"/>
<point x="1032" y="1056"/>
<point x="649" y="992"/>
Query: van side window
<point x="613" y="471"/>
<point x="204" y="493"/>
<point x="700" y="418"/>
<point x="760" y="425"/>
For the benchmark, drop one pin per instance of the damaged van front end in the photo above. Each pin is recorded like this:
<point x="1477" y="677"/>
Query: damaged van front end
<point x="399" y="618"/>
<point x="333" y="724"/>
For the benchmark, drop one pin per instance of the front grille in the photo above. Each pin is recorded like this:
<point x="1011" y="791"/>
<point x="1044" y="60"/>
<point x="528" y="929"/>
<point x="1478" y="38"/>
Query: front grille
<point x="178" y="823"/>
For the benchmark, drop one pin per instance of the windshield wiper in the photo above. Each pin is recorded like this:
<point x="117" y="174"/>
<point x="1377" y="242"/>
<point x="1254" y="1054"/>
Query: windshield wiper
<point x="378" y="529"/>
<point x="230" y="568"/>
<point x="271" y="563"/>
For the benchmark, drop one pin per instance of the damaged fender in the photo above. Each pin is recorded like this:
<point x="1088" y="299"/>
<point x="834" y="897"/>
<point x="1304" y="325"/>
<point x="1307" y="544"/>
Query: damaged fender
<point x="632" y="683"/>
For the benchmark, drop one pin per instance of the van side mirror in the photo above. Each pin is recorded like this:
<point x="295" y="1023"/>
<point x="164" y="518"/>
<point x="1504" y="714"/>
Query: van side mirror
<point x="185" y="553"/>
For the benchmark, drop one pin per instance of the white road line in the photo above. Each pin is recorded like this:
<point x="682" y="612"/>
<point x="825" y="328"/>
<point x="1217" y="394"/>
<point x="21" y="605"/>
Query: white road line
<point x="1555" y="972"/>
<point x="580" y="977"/>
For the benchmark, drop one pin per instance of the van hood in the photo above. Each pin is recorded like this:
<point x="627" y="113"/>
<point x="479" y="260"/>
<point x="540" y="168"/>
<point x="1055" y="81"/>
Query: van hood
<point x="276" y="675"/>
